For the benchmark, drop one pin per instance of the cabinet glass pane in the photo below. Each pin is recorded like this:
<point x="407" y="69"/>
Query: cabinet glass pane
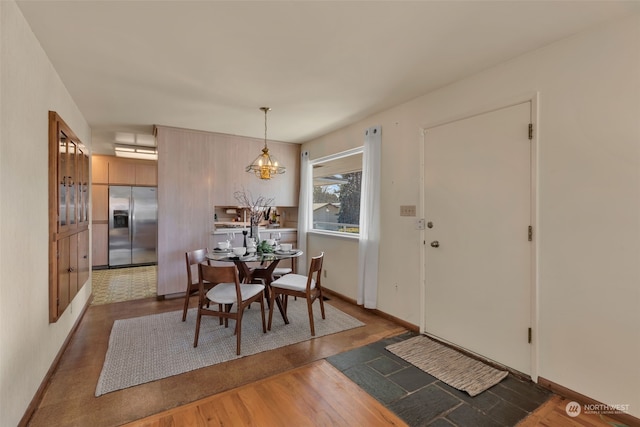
<point x="73" y="182"/>
<point x="86" y="187"/>
<point x="63" y="178"/>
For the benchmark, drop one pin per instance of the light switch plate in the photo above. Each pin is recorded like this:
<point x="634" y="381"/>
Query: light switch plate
<point x="408" y="210"/>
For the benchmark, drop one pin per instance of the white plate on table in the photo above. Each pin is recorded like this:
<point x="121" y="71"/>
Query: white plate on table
<point x="281" y="252"/>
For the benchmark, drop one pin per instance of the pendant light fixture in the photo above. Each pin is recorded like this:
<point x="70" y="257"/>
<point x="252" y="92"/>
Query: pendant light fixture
<point x="265" y="165"/>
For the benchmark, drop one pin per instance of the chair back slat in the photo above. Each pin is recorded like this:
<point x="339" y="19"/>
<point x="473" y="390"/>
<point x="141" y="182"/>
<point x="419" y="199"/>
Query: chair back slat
<point x="315" y="267"/>
<point x="193" y="258"/>
<point x="216" y="275"/>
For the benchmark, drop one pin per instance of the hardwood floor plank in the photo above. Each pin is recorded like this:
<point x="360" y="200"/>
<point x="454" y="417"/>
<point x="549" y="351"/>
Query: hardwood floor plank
<point x="553" y="414"/>
<point x="280" y="376"/>
<point x="69" y="400"/>
<point x="316" y="394"/>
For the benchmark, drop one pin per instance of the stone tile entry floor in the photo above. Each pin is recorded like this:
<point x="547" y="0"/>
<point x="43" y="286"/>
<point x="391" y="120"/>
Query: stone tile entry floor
<point x="422" y="400"/>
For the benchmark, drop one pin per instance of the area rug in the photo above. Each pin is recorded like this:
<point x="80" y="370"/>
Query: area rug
<point x="150" y="348"/>
<point x="448" y="365"/>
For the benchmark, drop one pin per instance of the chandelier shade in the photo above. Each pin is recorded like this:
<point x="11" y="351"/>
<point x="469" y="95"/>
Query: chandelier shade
<point x="265" y="165"/>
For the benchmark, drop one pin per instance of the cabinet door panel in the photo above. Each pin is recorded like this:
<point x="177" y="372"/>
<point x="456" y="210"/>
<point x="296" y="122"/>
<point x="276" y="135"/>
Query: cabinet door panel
<point x="99" y="170"/>
<point x="100" y="202"/>
<point x="100" y="245"/>
<point x="73" y="266"/>
<point x="146" y="174"/>
<point x="63" y="275"/>
<point x="122" y="172"/>
<point x="83" y="258"/>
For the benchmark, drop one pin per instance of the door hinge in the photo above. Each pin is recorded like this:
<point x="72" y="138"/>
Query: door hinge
<point x="530" y="233"/>
<point x="529" y="335"/>
<point x="530" y="131"/>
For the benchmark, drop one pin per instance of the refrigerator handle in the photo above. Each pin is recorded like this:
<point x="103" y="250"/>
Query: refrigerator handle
<point x="132" y="219"/>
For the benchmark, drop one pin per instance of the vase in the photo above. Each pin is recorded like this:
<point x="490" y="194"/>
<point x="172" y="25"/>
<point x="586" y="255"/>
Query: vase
<point x="255" y="234"/>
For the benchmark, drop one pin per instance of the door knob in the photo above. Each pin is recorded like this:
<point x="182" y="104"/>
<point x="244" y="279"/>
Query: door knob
<point x="435" y="244"/>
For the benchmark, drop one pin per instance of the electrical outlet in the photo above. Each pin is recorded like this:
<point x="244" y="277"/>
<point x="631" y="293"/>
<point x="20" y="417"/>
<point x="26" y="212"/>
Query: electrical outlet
<point x="325" y="273"/>
<point x="408" y="210"/>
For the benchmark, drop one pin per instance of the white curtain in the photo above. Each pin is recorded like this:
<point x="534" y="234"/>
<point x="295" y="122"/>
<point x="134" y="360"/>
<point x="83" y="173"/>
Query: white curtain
<point x="369" y="219"/>
<point x="304" y="209"/>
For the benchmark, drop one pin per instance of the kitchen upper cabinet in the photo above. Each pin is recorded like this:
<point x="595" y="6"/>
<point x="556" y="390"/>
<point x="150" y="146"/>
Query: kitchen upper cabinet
<point x="99" y="169"/>
<point x="72" y="181"/>
<point x="146" y="174"/>
<point x="121" y="172"/>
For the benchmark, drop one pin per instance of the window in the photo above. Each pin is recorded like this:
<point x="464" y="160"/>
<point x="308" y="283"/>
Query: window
<point x="336" y="192"/>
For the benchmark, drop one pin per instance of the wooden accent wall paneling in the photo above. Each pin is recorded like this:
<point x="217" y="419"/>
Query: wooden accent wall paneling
<point x="185" y="202"/>
<point x="197" y="171"/>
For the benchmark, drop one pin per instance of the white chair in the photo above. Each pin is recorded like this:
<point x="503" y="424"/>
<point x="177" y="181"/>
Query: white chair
<point x="281" y="271"/>
<point x="227" y="290"/>
<point x="297" y="285"/>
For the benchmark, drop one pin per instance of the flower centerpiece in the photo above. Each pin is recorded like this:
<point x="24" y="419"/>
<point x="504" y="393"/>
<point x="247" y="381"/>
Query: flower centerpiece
<point x="258" y="209"/>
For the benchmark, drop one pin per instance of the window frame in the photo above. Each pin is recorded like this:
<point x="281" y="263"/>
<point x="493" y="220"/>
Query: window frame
<point x="325" y="159"/>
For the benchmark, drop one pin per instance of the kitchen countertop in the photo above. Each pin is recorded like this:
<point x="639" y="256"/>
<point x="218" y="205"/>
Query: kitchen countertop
<point x="240" y="229"/>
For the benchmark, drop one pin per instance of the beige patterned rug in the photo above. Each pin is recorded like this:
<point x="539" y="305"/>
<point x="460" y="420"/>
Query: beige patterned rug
<point x="123" y="284"/>
<point x="149" y="348"/>
<point x="448" y="365"/>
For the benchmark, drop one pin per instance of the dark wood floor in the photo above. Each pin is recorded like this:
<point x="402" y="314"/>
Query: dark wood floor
<point x="69" y="398"/>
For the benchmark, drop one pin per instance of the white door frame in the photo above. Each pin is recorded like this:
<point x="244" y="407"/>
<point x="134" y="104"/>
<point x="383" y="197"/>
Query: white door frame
<point x="534" y="292"/>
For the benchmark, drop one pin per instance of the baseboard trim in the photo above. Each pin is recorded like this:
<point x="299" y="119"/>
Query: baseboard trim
<point x="400" y="322"/>
<point x="585" y="400"/>
<point x="339" y="295"/>
<point x="396" y="320"/>
<point x="37" y="398"/>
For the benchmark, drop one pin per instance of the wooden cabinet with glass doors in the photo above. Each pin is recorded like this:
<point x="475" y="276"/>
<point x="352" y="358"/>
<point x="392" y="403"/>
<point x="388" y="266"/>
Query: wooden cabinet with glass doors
<point x="68" y="216"/>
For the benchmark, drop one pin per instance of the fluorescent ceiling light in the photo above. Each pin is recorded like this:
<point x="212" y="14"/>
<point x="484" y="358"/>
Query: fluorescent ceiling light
<point x="132" y="152"/>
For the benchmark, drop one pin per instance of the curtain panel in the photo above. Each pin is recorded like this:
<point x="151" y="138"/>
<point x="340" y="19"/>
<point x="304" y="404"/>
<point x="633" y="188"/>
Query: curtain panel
<point x="369" y="219"/>
<point x="304" y="209"/>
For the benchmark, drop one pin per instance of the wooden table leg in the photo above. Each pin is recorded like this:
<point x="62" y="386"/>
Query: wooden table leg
<point x="266" y="274"/>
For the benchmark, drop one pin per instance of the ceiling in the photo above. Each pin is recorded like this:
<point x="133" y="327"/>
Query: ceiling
<point x="210" y="65"/>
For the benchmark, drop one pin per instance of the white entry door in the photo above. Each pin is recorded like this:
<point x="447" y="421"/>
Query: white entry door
<point x="478" y="255"/>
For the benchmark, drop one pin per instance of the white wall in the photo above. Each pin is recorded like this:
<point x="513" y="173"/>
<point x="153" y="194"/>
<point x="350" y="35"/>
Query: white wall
<point x="29" y="88"/>
<point x="589" y="201"/>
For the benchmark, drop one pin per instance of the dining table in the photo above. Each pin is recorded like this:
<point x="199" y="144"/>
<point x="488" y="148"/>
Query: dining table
<point x="258" y="266"/>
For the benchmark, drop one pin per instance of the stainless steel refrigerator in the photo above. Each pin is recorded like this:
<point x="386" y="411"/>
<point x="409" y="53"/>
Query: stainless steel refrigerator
<point x="133" y="225"/>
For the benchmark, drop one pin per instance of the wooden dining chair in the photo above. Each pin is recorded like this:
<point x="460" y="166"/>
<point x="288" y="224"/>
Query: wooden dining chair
<point x="297" y="285"/>
<point x="193" y="258"/>
<point x="278" y="272"/>
<point x="226" y="290"/>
